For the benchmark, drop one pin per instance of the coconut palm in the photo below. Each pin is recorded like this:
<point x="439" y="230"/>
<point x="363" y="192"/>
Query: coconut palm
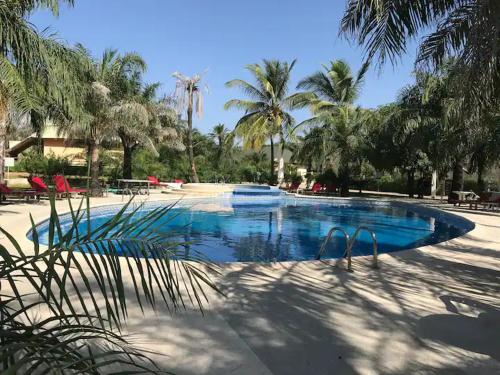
<point x="330" y="94"/>
<point x="33" y="69"/>
<point x="141" y="120"/>
<point x="106" y="87"/>
<point x="188" y="97"/>
<point x="335" y="85"/>
<point x="468" y="29"/>
<point x="266" y="111"/>
<point x="224" y="139"/>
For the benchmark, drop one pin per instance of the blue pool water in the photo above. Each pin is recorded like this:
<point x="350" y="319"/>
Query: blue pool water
<point x="280" y="228"/>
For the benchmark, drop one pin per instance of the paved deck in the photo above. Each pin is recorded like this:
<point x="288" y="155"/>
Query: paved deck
<point x="433" y="310"/>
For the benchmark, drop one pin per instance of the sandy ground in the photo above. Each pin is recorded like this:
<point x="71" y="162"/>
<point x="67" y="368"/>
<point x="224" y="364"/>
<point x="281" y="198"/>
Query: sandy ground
<point x="432" y="310"/>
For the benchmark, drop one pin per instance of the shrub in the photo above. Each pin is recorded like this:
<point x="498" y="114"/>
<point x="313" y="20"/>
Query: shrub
<point x="34" y="163"/>
<point x="327" y="177"/>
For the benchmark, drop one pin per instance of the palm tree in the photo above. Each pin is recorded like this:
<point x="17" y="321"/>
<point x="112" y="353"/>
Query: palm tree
<point x="188" y="97"/>
<point x="66" y="304"/>
<point x="106" y="87"/>
<point x="468" y="29"/>
<point x="330" y="94"/>
<point x="224" y="140"/>
<point x="266" y="113"/>
<point x="30" y="62"/>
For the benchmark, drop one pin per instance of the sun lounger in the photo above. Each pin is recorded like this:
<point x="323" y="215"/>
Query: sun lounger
<point x="62" y="186"/>
<point x="489" y="200"/>
<point x="7" y="192"/>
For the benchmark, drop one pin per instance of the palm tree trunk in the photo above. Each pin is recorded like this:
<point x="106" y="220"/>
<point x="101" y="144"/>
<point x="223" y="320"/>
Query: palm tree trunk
<point x="127" y="161"/>
<point x="194" y="175"/>
<point x="3" y="136"/>
<point x="281" y="163"/>
<point x="410" y="182"/>
<point x="344" y="178"/>
<point x="95" y="186"/>
<point x="271" y="174"/>
<point x="480" y="172"/>
<point x="458" y="176"/>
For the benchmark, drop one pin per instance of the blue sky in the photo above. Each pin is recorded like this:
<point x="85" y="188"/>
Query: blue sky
<point x="222" y="36"/>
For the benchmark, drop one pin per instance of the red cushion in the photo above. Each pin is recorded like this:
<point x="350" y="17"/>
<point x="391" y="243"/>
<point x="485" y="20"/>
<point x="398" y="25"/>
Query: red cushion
<point x="153" y="180"/>
<point x="38" y="185"/>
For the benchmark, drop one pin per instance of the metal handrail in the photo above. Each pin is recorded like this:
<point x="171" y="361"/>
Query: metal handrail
<point x="327" y="238"/>
<point x="351" y="243"/>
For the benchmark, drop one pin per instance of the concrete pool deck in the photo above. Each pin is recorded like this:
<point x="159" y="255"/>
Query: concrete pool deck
<point x="433" y="310"/>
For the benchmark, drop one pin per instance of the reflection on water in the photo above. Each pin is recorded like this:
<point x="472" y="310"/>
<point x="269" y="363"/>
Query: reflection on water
<point x="282" y="229"/>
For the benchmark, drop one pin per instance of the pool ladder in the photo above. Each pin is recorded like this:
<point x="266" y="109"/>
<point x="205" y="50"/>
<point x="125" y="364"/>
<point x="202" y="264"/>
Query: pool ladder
<point x="350" y="243"/>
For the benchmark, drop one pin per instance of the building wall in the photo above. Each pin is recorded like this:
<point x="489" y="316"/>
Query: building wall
<point x="57" y="147"/>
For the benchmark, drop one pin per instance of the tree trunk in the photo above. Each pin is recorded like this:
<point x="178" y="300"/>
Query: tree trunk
<point x="344" y="177"/>
<point x="480" y="171"/>
<point x="95" y="186"/>
<point x="271" y="175"/>
<point x="457" y="181"/>
<point x="281" y="162"/>
<point x="38" y="123"/>
<point x="410" y="182"/>
<point x="127" y="161"/>
<point x="194" y="175"/>
<point x="3" y="141"/>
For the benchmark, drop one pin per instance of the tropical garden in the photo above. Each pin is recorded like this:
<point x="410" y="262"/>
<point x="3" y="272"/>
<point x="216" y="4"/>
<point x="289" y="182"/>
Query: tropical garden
<point x="447" y="121"/>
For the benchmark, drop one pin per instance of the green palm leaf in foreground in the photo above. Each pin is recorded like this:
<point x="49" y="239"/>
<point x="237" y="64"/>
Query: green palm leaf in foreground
<point x="62" y="307"/>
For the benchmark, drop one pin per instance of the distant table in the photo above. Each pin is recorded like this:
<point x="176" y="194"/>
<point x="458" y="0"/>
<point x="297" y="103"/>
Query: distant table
<point x="131" y="186"/>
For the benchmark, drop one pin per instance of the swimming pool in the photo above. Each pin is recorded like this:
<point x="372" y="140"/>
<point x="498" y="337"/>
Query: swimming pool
<point x="285" y="228"/>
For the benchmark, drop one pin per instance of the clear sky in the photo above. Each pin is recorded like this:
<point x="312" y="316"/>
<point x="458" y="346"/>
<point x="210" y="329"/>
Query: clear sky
<point x="222" y="36"/>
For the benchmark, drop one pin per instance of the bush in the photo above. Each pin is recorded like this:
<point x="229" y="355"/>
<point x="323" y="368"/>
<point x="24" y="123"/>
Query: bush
<point x="34" y="163"/>
<point x="327" y="177"/>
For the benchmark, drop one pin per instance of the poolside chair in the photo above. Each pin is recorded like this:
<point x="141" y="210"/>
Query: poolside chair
<point x="462" y="197"/>
<point x="316" y="188"/>
<point x="6" y="191"/>
<point x="62" y="186"/>
<point x="38" y="185"/>
<point x="488" y="200"/>
<point x="294" y="187"/>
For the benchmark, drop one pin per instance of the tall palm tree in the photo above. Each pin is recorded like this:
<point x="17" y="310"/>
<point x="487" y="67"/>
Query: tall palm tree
<point x="468" y="29"/>
<point x="224" y="140"/>
<point x="188" y="97"/>
<point x="106" y="87"/>
<point x="335" y="85"/>
<point x="266" y="112"/>
<point x="330" y="95"/>
<point x="142" y="121"/>
<point x="29" y="62"/>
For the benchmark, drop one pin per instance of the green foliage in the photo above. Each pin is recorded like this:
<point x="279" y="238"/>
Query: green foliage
<point x="34" y="163"/>
<point x="327" y="177"/>
<point x="66" y="304"/>
<point x="146" y="163"/>
<point x="291" y="175"/>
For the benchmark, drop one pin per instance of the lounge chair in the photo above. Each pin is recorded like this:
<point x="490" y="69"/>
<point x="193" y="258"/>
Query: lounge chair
<point x="6" y="191"/>
<point x="62" y="186"/>
<point x="316" y="188"/>
<point x="38" y="185"/>
<point x="294" y="187"/>
<point x="489" y="200"/>
<point x="155" y="182"/>
<point x="462" y="197"/>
